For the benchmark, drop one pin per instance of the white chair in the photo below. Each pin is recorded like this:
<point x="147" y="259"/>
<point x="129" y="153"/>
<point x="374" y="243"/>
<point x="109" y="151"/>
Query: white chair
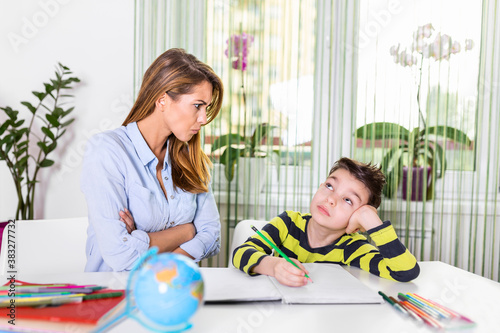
<point x="242" y="231"/>
<point x="46" y="246"/>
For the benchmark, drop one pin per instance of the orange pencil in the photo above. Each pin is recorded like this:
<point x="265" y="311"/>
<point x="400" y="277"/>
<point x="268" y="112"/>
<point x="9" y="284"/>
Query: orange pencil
<point x="408" y="311"/>
<point x="425" y="317"/>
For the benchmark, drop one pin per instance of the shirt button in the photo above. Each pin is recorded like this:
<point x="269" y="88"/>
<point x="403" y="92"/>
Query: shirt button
<point x="125" y="239"/>
<point x="172" y="196"/>
<point x="166" y="178"/>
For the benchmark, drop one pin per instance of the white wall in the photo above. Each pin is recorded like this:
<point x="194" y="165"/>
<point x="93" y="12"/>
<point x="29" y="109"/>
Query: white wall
<point x="95" y="40"/>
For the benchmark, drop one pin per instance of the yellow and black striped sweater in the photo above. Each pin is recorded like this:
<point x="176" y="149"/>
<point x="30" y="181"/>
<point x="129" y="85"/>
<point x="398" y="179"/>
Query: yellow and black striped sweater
<point x="391" y="260"/>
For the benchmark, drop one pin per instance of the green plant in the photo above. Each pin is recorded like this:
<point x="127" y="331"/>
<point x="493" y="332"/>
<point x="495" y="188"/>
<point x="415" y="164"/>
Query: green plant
<point x="16" y="147"/>
<point x="419" y="146"/>
<point x="236" y="146"/>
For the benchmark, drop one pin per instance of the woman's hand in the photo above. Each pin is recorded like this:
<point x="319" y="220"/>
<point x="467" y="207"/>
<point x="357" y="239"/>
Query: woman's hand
<point x="126" y="217"/>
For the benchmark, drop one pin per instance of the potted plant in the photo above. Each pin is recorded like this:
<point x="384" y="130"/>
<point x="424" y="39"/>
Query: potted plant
<point x="418" y="148"/>
<point x="416" y="154"/>
<point x="24" y="160"/>
<point x="237" y="147"/>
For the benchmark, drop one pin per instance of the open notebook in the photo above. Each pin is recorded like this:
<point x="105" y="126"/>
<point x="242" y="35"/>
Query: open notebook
<point x="332" y="284"/>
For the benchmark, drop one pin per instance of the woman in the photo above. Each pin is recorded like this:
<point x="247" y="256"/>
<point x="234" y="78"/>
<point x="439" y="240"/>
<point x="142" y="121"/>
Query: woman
<point x="153" y="168"/>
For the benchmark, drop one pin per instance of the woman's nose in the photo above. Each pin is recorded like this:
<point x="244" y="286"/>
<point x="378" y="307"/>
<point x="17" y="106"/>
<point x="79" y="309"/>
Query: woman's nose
<point x="202" y="118"/>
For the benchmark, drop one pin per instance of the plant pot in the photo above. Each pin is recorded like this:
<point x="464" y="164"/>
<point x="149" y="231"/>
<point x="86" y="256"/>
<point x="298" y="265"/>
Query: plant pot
<point x="418" y="188"/>
<point x="251" y="177"/>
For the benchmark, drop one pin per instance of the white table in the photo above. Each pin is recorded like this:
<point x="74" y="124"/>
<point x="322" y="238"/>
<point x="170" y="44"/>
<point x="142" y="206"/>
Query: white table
<point x="469" y="294"/>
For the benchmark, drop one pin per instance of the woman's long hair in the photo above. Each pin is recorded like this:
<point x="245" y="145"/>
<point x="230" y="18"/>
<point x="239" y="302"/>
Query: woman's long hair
<point x="176" y="73"/>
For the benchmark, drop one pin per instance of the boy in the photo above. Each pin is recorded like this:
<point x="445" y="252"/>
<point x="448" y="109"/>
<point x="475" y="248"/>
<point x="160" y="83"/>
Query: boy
<point x="345" y="203"/>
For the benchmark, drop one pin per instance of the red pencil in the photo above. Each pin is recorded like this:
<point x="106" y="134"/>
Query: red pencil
<point x="409" y="311"/>
<point x="425" y="317"/>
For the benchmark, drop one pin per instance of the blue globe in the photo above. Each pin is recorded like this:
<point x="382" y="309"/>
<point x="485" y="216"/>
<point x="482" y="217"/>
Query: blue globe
<point x="165" y="291"/>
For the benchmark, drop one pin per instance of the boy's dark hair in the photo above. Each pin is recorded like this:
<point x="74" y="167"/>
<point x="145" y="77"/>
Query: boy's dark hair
<point x="370" y="175"/>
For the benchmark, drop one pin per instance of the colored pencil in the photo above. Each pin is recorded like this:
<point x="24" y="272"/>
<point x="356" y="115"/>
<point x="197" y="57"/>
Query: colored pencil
<point x="425" y="308"/>
<point x="424" y="316"/>
<point x="410" y="312"/>
<point x="392" y="302"/>
<point x="38" y="301"/>
<point x="103" y="295"/>
<point x="456" y="314"/>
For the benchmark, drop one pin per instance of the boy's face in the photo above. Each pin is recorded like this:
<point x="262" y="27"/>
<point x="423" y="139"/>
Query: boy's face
<point x="337" y="199"/>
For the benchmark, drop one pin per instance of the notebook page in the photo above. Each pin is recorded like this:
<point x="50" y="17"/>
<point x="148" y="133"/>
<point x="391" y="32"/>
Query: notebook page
<point x="332" y="284"/>
<point x="232" y="285"/>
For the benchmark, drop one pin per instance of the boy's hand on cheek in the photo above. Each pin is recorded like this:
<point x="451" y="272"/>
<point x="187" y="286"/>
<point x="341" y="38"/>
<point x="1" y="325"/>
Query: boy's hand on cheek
<point x="364" y="218"/>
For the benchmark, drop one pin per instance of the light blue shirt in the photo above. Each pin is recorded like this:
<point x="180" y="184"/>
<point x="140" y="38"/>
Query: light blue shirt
<point x="119" y="170"/>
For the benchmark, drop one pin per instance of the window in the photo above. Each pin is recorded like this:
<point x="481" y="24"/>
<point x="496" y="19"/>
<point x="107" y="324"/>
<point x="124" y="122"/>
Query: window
<point x="418" y="66"/>
<point x="344" y="48"/>
<point x="264" y="52"/>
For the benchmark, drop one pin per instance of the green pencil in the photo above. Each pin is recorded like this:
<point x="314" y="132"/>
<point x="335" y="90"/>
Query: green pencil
<point x="103" y="295"/>
<point x="278" y="250"/>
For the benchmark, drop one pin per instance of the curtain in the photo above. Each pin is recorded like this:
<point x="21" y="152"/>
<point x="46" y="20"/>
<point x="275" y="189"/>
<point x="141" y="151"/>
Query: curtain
<point x="432" y="68"/>
<point x="484" y="242"/>
<point x="265" y="52"/>
<point x="302" y="77"/>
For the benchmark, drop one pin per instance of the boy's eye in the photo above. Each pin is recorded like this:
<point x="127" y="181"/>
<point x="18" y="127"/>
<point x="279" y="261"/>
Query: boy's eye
<point x="348" y="201"/>
<point x="328" y="186"/>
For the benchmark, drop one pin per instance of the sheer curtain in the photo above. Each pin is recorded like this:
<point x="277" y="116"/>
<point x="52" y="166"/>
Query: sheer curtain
<point x="265" y="53"/>
<point x="312" y="73"/>
<point x="425" y="64"/>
